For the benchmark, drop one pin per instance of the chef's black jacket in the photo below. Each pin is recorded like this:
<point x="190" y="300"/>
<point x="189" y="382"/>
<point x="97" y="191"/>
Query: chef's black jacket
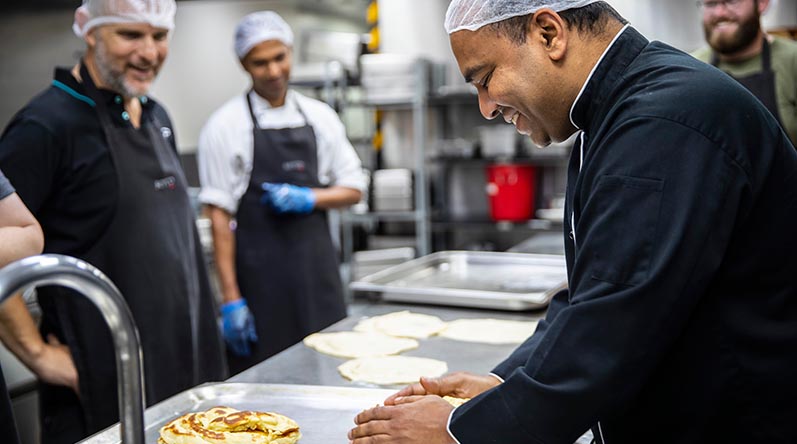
<point x="680" y="324"/>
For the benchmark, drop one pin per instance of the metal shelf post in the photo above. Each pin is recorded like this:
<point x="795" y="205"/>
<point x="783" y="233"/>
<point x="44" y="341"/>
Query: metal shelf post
<point x="419" y="116"/>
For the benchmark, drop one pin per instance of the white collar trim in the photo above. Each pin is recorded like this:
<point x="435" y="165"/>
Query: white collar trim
<point x="260" y="104"/>
<point x="589" y="77"/>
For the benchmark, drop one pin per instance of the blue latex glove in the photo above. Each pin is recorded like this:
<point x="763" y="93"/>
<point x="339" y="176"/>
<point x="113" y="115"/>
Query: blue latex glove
<point x="287" y="198"/>
<point x="238" y="327"/>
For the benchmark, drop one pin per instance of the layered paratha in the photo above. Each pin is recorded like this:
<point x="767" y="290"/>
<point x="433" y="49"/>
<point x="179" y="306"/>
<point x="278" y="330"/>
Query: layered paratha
<point x="225" y="425"/>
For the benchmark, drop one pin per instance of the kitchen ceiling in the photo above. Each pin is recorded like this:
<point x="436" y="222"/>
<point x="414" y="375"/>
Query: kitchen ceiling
<point x="337" y="7"/>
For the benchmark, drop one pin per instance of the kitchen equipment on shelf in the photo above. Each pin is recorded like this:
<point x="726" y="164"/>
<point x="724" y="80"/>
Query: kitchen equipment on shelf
<point x="456" y="148"/>
<point x="498" y="140"/>
<point x="391" y="77"/>
<point x="393" y="190"/>
<point x="510" y="189"/>
<point x="495" y="280"/>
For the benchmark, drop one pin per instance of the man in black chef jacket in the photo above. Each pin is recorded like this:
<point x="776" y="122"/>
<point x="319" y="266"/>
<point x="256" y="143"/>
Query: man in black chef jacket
<point x="680" y="323"/>
<point x="94" y="159"/>
<point x="20" y="236"/>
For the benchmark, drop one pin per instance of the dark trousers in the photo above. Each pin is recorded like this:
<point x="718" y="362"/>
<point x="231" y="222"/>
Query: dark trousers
<point x="61" y="415"/>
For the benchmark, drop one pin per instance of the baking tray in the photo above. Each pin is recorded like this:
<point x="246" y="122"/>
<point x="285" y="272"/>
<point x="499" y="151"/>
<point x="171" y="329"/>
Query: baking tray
<point x="495" y="280"/>
<point x="324" y="414"/>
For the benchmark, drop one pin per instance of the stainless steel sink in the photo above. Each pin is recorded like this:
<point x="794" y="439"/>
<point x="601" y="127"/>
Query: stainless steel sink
<point x="90" y="282"/>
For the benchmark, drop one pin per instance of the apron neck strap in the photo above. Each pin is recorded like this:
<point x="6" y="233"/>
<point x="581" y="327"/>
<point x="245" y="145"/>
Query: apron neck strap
<point x="252" y="110"/>
<point x="93" y="92"/>
<point x="766" y="56"/>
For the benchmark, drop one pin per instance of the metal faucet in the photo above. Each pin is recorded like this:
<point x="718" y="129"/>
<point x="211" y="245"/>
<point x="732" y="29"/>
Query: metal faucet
<point x="55" y="269"/>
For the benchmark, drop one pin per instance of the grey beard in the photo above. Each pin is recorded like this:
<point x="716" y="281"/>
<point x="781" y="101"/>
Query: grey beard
<point x="114" y="80"/>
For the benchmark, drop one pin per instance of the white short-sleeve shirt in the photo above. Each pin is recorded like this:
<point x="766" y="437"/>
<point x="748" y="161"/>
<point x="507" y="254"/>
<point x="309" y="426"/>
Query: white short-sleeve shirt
<point x="226" y="147"/>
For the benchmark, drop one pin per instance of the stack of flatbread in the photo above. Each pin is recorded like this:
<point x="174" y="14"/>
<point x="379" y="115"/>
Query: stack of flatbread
<point x="391" y="370"/>
<point x="225" y="425"/>
<point x="489" y="331"/>
<point x="375" y="339"/>
<point x="403" y="324"/>
<point x="354" y="344"/>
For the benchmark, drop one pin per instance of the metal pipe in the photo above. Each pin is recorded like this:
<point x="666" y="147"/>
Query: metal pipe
<point x="419" y="108"/>
<point x="85" y="279"/>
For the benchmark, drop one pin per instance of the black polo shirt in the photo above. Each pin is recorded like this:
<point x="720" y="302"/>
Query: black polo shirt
<point x="8" y="428"/>
<point x="55" y="154"/>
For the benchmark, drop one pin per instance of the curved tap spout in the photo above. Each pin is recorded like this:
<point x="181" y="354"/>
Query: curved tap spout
<point x="53" y="269"/>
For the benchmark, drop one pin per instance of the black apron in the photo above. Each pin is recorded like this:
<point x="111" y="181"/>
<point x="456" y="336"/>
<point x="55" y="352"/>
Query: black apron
<point x="286" y="264"/>
<point x="151" y="251"/>
<point x="761" y="84"/>
<point x="8" y="427"/>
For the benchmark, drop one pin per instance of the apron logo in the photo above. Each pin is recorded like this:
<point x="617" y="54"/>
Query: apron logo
<point x="167" y="183"/>
<point x="238" y="164"/>
<point x="294" y="165"/>
<point x="166" y="132"/>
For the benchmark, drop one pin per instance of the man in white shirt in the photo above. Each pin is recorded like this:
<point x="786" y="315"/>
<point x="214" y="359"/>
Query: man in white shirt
<point x="271" y="162"/>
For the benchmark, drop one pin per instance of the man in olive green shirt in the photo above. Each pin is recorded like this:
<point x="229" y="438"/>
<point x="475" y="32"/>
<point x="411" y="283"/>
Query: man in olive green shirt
<point x="765" y="65"/>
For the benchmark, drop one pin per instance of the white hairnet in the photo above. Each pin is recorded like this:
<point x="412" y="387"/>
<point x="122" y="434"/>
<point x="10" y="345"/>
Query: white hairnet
<point x="258" y="27"/>
<point x="93" y="13"/>
<point x="473" y="14"/>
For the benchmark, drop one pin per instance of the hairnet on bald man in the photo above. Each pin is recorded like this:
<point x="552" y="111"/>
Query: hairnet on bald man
<point x="258" y="27"/>
<point x="93" y="13"/>
<point x="473" y="14"/>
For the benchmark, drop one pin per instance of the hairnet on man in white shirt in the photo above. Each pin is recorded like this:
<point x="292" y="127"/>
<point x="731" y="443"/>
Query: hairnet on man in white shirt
<point x="93" y="13"/>
<point x="473" y="14"/>
<point x="259" y="27"/>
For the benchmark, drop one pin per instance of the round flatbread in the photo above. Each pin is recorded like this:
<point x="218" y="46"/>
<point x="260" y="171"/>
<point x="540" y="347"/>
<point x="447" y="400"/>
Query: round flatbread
<point x="225" y="425"/>
<point x="391" y="370"/>
<point x="352" y="344"/>
<point x="403" y="324"/>
<point x="489" y="331"/>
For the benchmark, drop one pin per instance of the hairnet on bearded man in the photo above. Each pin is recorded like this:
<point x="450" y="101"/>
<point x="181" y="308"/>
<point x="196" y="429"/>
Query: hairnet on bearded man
<point x="473" y="14"/>
<point x="93" y="13"/>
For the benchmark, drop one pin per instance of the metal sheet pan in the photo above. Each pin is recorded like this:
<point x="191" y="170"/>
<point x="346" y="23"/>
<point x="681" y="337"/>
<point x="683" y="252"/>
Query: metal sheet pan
<point x="324" y="414"/>
<point x="503" y="281"/>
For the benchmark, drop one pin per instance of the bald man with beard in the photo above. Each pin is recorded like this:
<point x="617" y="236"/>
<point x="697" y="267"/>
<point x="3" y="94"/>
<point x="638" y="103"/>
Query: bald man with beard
<point x="766" y="65"/>
<point x="94" y="158"/>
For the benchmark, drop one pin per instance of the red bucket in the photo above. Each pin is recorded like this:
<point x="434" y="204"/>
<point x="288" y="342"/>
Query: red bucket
<point x="510" y="189"/>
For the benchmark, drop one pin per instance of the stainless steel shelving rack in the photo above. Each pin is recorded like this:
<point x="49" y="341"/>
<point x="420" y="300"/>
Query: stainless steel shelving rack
<point x="418" y="104"/>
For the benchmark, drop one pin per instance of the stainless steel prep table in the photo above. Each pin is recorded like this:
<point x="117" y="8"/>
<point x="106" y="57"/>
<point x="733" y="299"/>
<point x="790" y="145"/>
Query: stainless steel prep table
<point x="302" y="365"/>
<point x="324" y="414"/>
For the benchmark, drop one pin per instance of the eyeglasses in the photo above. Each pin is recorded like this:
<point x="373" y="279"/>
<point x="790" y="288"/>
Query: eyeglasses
<point x="711" y="5"/>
